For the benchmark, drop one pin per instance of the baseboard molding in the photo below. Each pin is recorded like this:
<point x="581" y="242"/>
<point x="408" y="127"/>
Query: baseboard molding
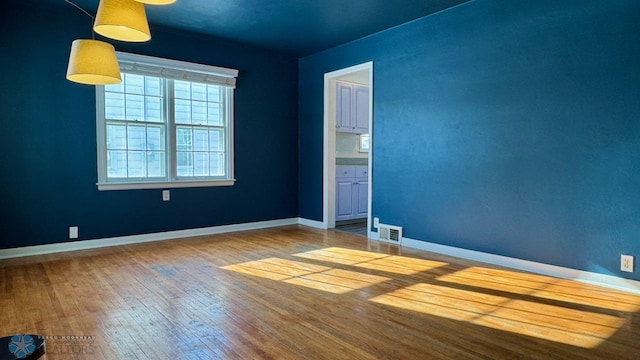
<point x="525" y="265"/>
<point x="312" y="223"/>
<point x="135" y="239"/>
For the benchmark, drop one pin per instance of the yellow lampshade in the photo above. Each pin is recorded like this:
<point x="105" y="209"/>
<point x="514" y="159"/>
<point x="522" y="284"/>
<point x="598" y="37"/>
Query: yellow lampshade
<point x="157" y="2"/>
<point x="123" y="20"/>
<point x="93" y="62"/>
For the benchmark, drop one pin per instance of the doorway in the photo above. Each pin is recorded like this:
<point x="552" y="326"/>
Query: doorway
<point x="338" y="87"/>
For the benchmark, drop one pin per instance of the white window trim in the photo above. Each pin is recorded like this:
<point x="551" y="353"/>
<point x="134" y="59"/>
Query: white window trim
<point x="171" y="69"/>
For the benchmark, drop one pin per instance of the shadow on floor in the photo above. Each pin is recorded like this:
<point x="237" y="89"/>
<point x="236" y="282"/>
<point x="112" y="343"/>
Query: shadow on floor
<point x="358" y="227"/>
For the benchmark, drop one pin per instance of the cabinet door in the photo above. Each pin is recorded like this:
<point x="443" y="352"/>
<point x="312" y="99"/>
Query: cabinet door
<point x="344" y="199"/>
<point x="360" y="118"/>
<point x="346" y="171"/>
<point x="361" y="171"/>
<point x="344" y="105"/>
<point x="361" y="198"/>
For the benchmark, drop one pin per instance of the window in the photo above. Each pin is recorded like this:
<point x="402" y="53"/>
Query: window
<point x="168" y="124"/>
<point x="364" y="143"/>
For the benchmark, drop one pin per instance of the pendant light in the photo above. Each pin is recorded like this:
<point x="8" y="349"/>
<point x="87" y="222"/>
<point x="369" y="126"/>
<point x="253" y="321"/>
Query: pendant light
<point x="124" y="20"/>
<point x="93" y="62"/>
<point x="157" y="2"/>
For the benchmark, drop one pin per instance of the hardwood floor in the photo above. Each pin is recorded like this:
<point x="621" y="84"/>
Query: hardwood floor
<point x="300" y="293"/>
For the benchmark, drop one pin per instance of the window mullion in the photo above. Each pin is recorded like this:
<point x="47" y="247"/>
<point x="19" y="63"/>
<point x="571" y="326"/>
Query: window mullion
<point x="171" y="130"/>
<point x="126" y="146"/>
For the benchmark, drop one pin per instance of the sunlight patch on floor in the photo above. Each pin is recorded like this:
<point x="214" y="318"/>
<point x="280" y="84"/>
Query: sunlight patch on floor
<point x="275" y="269"/>
<point x="340" y="256"/>
<point x="313" y="276"/>
<point x="549" y="322"/>
<point x="545" y="287"/>
<point x="389" y="263"/>
<point x="567" y="311"/>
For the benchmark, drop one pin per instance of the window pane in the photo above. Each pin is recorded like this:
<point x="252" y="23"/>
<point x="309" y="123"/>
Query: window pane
<point x="182" y="89"/>
<point x="153" y="109"/>
<point x="135" y="107"/>
<point x="213" y="93"/>
<point x="134" y="84"/>
<point x="185" y="163"/>
<point x="183" y="139"/>
<point x="114" y="106"/>
<point x="201" y="164"/>
<point x="200" y="140"/>
<point x="216" y="140"/>
<point x="364" y="142"/>
<point x="156" y="163"/>
<point x="136" y="164"/>
<point x="116" y="137"/>
<point x="217" y="167"/>
<point x="136" y="137"/>
<point x="153" y="86"/>
<point x="115" y="87"/>
<point x="198" y="113"/>
<point x="155" y="138"/>
<point x="214" y="114"/>
<point x="116" y="164"/>
<point x="199" y="92"/>
<point x="182" y="111"/>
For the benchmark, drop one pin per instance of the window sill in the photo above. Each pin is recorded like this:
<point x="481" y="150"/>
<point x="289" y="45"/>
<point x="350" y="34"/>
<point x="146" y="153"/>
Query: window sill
<point x="164" y="184"/>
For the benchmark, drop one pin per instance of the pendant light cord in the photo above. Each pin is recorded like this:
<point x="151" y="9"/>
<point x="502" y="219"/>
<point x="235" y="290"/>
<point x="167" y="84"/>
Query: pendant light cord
<point x="79" y="8"/>
<point x="93" y="36"/>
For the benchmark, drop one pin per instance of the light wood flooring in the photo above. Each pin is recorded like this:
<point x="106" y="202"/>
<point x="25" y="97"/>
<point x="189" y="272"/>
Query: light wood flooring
<point x="300" y="293"/>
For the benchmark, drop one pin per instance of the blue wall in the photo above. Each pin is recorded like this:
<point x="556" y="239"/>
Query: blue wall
<point x="508" y="127"/>
<point x="48" y="137"/>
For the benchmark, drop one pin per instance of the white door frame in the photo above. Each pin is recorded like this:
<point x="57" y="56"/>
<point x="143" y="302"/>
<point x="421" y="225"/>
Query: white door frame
<point x="329" y="158"/>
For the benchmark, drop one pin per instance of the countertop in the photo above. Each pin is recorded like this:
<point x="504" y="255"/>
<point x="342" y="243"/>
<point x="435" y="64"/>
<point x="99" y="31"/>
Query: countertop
<point x="352" y="161"/>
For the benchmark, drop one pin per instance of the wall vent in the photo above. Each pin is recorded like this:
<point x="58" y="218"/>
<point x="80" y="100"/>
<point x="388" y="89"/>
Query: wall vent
<point x="390" y="233"/>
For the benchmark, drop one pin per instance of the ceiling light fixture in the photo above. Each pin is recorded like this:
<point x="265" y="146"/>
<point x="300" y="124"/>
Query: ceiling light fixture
<point x="91" y="61"/>
<point x="124" y="20"/>
<point x="94" y="62"/>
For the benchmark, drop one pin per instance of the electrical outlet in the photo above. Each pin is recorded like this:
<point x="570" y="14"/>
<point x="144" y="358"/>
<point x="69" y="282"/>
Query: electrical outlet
<point x="73" y="232"/>
<point x="166" y="195"/>
<point x="626" y="263"/>
<point x="376" y="222"/>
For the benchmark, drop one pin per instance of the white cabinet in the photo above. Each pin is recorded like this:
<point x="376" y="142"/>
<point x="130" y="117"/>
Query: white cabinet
<point x="360" y="118"/>
<point x="361" y="198"/>
<point x="352" y="108"/>
<point x="352" y="186"/>
<point x="344" y="199"/>
<point x="344" y="107"/>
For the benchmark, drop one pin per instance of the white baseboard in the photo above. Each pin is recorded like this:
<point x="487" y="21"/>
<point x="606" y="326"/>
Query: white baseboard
<point x="312" y="223"/>
<point x="135" y="239"/>
<point x="525" y="265"/>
